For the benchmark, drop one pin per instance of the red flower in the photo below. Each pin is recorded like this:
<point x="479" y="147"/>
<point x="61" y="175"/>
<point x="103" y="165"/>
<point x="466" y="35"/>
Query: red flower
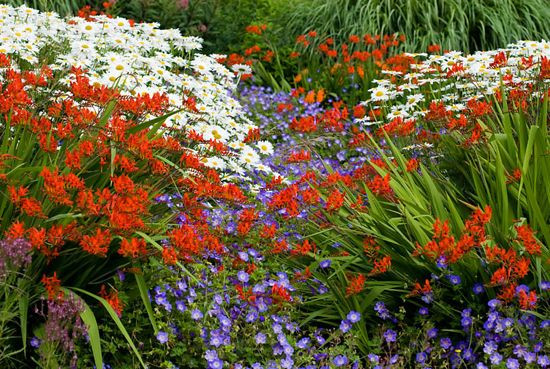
<point x="169" y="255"/>
<point x="434" y="48"/>
<point x="459" y="123"/>
<point x="455" y="69"/>
<point x="500" y="60"/>
<point x="16" y="230"/>
<point x="37" y="238"/>
<point x="310" y="196"/>
<point x="421" y="289"/>
<point x="335" y="200"/>
<point x="246" y="219"/>
<point x="354" y="39"/>
<point x="279" y="293"/>
<point x="443" y="243"/>
<point x="304" y="124"/>
<point x="381" y="266"/>
<point x="437" y="111"/>
<point x="370" y="247"/>
<point x="113" y="299"/>
<point x="268" y="231"/>
<point x="527" y="239"/>
<point x="97" y="244"/>
<point x="32" y="208"/>
<point x="184" y="239"/>
<point x="380" y="186"/>
<point x="478" y="108"/>
<point x="256" y="29"/>
<point x="359" y="111"/>
<point x="303" y="249"/>
<point x="133" y="248"/>
<point x="52" y="285"/>
<point x="54" y="186"/>
<point x="527" y="300"/>
<point x="279" y="246"/>
<point x="412" y="165"/>
<point x="356" y="285"/>
<point x="545" y="67"/>
<point x="508" y="292"/>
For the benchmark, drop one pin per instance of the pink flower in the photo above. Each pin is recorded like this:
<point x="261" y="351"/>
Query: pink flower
<point x="184" y="4"/>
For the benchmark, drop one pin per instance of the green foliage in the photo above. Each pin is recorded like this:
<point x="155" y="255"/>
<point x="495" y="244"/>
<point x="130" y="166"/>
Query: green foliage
<point x="191" y="19"/>
<point x="11" y="319"/>
<point x="450" y="189"/>
<point x="227" y="28"/>
<point x="465" y="25"/>
<point x="520" y="141"/>
<point x="221" y="23"/>
<point x="63" y="7"/>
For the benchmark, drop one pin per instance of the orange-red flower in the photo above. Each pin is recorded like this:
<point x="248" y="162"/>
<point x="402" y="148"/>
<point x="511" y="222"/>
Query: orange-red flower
<point x="98" y="243"/>
<point x="527" y="239"/>
<point x="132" y="249"/>
<point x="113" y="299"/>
<point x="356" y="285"/>
<point x="53" y="286"/>
<point x="335" y="200"/>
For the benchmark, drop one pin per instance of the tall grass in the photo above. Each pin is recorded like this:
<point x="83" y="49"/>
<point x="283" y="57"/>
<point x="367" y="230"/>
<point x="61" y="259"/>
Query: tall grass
<point x="466" y="25"/>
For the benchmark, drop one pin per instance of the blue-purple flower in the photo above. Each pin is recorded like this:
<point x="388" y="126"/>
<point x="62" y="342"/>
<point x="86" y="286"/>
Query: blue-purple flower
<point x="454" y="279"/>
<point x="162" y="337"/>
<point x="340" y="360"/>
<point x="354" y="316"/>
<point x="390" y="335"/>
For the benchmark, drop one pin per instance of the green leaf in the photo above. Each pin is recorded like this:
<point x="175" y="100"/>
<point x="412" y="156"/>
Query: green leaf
<point x="88" y="318"/>
<point x="435" y="195"/>
<point x="23" y="315"/>
<point x="145" y="298"/>
<point x="155" y="123"/>
<point x="107" y="113"/>
<point x="117" y="321"/>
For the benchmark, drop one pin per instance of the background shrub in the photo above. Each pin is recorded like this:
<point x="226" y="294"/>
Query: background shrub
<point x="466" y="25"/>
<point x="63" y="7"/>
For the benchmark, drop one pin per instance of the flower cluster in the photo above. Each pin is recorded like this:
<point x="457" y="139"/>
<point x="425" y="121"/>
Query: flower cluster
<point x="14" y="254"/>
<point x="138" y="59"/>
<point x="492" y="335"/>
<point x="459" y="82"/>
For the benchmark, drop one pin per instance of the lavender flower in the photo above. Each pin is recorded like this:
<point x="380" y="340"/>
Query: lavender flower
<point x="390" y="336"/>
<point x="243" y="276"/>
<point x="354" y="316"/>
<point x="325" y="263"/>
<point x="340" y="360"/>
<point x="432" y="333"/>
<point x="512" y="363"/>
<point x="35" y="342"/>
<point x="495" y="358"/>
<point x="345" y="325"/>
<point x="196" y="314"/>
<point x="454" y="279"/>
<point x="478" y="288"/>
<point x="162" y="337"/>
<point x="14" y="254"/>
<point x="445" y="343"/>
<point x="421" y="357"/>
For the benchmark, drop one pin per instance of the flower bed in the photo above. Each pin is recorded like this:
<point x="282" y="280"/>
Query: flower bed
<point x="154" y="216"/>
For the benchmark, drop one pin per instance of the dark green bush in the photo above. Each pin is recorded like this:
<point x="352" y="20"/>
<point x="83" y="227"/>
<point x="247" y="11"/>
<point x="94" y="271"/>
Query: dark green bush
<point x="221" y="23"/>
